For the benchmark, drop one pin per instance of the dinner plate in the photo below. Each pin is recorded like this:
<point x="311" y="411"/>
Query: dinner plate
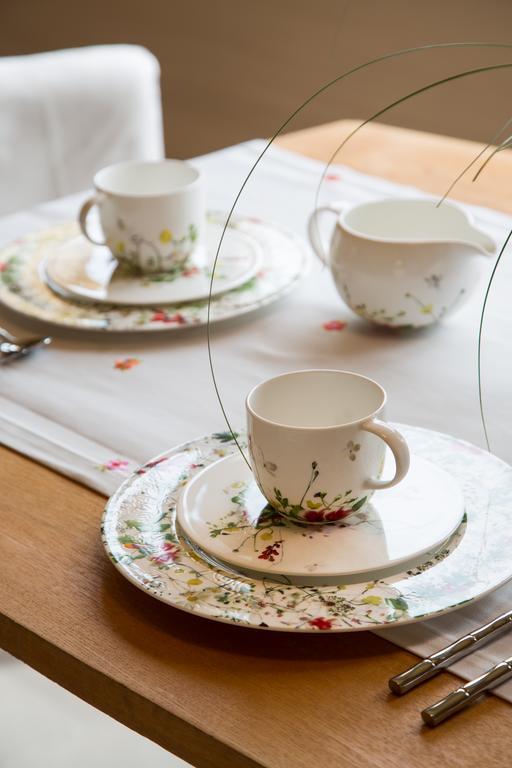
<point x="23" y="289"/>
<point x="77" y="269"/>
<point x="143" y="540"/>
<point x="223" y="511"/>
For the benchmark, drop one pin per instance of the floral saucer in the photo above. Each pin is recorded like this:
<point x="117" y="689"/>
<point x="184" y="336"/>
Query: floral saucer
<point x="76" y="269"/>
<point x="223" y="511"/>
<point x="24" y="290"/>
<point x="143" y="541"/>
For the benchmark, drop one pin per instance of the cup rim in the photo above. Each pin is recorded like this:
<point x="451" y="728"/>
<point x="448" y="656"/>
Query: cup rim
<point x="103" y="188"/>
<point x="331" y="427"/>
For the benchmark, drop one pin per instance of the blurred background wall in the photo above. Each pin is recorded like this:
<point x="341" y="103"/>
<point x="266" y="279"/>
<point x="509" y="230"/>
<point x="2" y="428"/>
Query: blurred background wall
<point x="236" y="69"/>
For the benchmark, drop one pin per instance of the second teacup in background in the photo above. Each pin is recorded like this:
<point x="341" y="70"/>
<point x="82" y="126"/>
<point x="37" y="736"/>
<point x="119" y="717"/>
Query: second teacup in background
<point x="151" y="213"/>
<point x="317" y="442"/>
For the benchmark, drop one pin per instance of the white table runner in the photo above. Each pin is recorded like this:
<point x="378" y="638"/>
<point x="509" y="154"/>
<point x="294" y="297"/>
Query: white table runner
<point x="71" y="408"/>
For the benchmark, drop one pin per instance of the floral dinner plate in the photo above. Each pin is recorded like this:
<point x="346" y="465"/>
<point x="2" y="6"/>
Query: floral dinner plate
<point x="144" y="542"/>
<point x="76" y="269"/>
<point x="22" y="287"/>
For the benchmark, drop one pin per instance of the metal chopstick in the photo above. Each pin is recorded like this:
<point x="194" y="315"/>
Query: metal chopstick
<point x="430" y="666"/>
<point x="466" y="694"/>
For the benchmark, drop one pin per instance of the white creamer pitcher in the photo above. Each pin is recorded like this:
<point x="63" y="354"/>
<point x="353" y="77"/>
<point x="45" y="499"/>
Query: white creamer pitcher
<point x="402" y="262"/>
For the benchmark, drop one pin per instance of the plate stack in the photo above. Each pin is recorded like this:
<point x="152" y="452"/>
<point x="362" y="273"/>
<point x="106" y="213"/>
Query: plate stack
<point x="192" y="529"/>
<point x="60" y="277"/>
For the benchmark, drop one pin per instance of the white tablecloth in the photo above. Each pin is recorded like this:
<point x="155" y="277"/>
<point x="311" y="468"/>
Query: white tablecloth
<point x="71" y="408"/>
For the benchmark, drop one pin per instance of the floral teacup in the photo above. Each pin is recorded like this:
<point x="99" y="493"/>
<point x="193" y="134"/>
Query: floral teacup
<point x="317" y="442"/>
<point x="151" y="213"/>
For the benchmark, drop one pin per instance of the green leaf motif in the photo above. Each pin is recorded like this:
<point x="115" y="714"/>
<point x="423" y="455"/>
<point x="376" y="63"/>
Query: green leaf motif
<point x="225" y="437"/>
<point x="398" y="603"/>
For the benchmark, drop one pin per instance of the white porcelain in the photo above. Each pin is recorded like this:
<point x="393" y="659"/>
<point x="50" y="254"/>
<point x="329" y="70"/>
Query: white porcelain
<point x="402" y="262"/>
<point x="24" y="289"/>
<point x="77" y="269"/>
<point x="223" y="511"/>
<point x="317" y="442"/>
<point x="144" y="543"/>
<point x="151" y="212"/>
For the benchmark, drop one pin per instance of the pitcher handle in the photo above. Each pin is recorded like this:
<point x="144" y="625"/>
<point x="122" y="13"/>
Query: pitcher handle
<point x="399" y="448"/>
<point x="314" y="231"/>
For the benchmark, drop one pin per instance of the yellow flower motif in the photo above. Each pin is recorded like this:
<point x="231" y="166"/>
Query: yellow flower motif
<point x="165" y="236"/>
<point x="194" y="582"/>
<point x="120" y="248"/>
<point x="238" y="484"/>
<point x="266" y="536"/>
<point x="372" y="600"/>
<point x="427" y="309"/>
<point x="313" y="504"/>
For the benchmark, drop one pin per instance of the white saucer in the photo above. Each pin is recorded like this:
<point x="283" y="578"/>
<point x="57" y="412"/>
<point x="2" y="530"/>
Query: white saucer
<point x="76" y="269"/>
<point x="224" y="513"/>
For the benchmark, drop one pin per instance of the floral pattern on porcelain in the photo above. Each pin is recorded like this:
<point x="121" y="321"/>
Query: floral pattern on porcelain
<point x="268" y="533"/>
<point x="139" y="533"/>
<point x="129" y="248"/>
<point x="22" y="289"/>
<point x="318" y="509"/>
<point x="403" y="319"/>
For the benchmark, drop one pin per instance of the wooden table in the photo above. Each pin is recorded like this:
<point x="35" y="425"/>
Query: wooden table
<point x="218" y="695"/>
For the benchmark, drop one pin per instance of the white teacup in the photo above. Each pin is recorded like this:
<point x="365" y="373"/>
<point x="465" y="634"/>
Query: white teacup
<point x="317" y="442"/>
<point x="152" y="213"/>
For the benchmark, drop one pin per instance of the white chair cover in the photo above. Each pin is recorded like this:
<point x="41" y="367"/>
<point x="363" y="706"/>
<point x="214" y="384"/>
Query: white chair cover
<point x="65" y="114"/>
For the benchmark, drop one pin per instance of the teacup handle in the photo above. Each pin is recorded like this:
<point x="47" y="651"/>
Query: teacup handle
<point x="314" y="232"/>
<point x="82" y="218"/>
<point x="396" y="442"/>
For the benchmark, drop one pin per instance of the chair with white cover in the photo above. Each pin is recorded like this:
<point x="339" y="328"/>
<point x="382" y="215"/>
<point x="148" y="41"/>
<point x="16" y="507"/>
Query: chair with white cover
<point x="65" y="114"/>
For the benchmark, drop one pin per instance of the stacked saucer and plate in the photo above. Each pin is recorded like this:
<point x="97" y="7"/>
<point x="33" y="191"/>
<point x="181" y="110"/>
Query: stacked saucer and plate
<point x="152" y="267"/>
<point x="292" y="528"/>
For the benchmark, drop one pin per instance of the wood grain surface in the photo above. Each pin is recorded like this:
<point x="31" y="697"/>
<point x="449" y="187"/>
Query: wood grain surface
<point x="218" y="695"/>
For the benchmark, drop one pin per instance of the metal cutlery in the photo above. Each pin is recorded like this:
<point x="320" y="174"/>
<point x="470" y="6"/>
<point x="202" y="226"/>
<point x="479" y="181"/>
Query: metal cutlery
<point x="439" y="660"/>
<point x="12" y="348"/>
<point x="465" y="694"/>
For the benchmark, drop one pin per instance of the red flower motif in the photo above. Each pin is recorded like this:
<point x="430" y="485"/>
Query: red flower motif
<point x="332" y="177"/>
<point x="150" y="465"/>
<point x="334" y="325"/>
<point x="320" y="623"/>
<point x="167" y="554"/>
<point x="126" y="363"/>
<point x="271" y="552"/>
<point x="3" y="266"/>
<point x="160" y="316"/>
<point x="337" y="514"/>
<point x="190" y="272"/>
<point x="314" y="515"/>
<point x="114" y="464"/>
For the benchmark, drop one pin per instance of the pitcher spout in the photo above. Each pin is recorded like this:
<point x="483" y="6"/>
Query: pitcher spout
<point x="481" y="242"/>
